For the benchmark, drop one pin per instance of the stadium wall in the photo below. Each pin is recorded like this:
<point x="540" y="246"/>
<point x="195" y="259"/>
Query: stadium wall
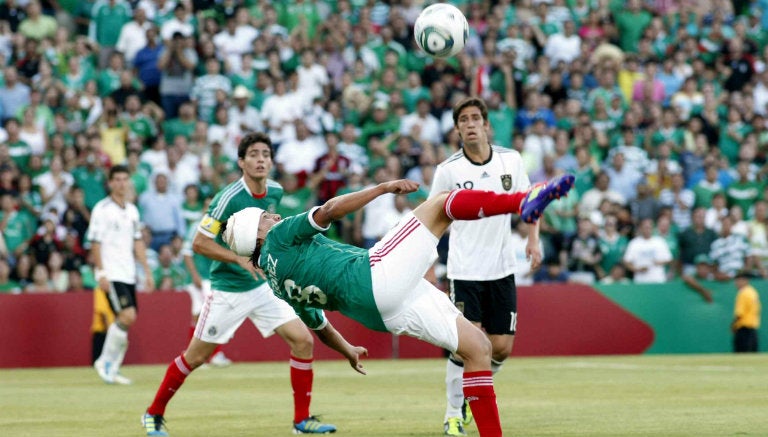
<point x="44" y="330"/>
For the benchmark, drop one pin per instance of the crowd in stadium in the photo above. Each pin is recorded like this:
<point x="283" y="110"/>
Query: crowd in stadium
<point x="658" y="107"/>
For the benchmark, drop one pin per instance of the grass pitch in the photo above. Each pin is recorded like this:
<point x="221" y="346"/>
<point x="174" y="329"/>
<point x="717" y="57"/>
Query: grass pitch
<point x="683" y="395"/>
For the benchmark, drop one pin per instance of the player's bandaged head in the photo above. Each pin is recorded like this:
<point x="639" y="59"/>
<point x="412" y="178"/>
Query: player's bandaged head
<point x="241" y="231"/>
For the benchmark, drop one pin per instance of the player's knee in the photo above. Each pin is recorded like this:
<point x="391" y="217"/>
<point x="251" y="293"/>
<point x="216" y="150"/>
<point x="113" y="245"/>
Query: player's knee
<point x="301" y="342"/>
<point x="126" y="318"/>
<point x="501" y="352"/>
<point x="500" y="356"/>
<point x="476" y="347"/>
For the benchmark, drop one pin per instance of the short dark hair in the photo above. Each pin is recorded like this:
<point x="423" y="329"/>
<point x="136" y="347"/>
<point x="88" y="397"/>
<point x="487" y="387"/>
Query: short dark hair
<point x="253" y="138"/>
<point x="118" y="169"/>
<point x="467" y="102"/>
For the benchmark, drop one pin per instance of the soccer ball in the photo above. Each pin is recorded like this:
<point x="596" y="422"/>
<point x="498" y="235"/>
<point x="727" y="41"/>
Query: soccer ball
<point x="441" y="30"/>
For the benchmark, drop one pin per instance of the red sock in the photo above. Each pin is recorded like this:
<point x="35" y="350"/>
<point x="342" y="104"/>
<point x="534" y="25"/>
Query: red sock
<point x="301" y="382"/>
<point x="478" y="389"/>
<point x="177" y="372"/>
<point x="476" y="204"/>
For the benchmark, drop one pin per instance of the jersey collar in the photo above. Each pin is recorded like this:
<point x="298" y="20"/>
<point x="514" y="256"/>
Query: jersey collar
<point x="490" y="157"/>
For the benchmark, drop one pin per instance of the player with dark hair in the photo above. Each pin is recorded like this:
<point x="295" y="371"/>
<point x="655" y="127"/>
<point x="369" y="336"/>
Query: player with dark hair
<point x="481" y="259"/>
<point x="115" y="236"/>
<point x="384" y="287"/>
<point x="237" y="293"/>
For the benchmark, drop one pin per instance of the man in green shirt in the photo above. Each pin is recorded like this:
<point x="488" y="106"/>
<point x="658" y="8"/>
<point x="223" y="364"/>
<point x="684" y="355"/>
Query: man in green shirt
<point x="17" y="228"/>
<point x="744" y="192"/>
<point x="107" y="18"/>
<point x="384" y="287"/>
<point x="239" y="294"/>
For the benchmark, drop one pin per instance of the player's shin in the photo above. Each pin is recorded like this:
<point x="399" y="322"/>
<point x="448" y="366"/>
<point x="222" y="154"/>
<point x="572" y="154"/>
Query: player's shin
<point x="177" y="372"/>
<point x="476" y="204"/>
<point x="301" y="382"/>
<point x="478" y="389"/>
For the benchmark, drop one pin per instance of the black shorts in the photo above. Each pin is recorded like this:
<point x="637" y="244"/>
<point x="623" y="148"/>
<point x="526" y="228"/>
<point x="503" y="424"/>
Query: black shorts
<point x="121" y="296"/>
<point x="491" y="303"/>
<point x="745" y="340"/>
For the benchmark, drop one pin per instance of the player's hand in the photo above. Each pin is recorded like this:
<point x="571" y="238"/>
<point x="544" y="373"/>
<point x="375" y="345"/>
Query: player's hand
<point x="533" y="253"/>
<point x="354" y="355"/>
<point x="150" y="283"/>
<point x="104" y="285"/>
<point x="401" y="186"/>
<point x="245" y="262"/>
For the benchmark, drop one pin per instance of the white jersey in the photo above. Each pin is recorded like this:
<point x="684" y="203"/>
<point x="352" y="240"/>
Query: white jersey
<point x="481" y="250"/>
<point x="116" y="228"/>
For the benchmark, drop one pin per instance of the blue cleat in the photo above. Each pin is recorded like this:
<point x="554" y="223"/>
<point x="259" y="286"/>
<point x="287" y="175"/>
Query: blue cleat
<point x="154" y="425"/>
<point x="311" y="425"/>
<point x="541" y="194"/>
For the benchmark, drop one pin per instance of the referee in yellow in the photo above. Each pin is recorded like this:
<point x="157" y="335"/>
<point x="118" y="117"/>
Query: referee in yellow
<point x="746" y="319"/>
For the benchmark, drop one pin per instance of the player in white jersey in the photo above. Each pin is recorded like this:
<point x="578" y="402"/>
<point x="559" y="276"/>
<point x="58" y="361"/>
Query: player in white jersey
<point x="481" y="259"/>
<point x="116" y="244"/>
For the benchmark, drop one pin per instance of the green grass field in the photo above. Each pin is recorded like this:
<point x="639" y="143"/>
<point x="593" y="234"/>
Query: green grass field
<point x="691" y="395"/>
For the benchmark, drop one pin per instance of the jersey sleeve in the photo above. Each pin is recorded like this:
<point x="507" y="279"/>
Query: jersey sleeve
<point x="297" y="228"/>
<point x="440" y="182"/>
<point x="210" y="224"/>
<point x="95" y="231"/>
<point x="522" y="181"/>
<point x="314" y="318"/>
<point x="136" y="223"/>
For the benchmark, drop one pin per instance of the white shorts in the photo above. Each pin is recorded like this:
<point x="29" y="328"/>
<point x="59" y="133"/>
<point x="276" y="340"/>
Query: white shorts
<point x="223" y="312"/>
<point x="198" y="295"/>
<point x="407" y="302"/>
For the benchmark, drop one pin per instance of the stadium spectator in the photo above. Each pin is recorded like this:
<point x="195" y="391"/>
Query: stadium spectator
<point x="757" y="235"/>
<point x="583" y="253"/>
<point x="175" y="62"/>
<point x="161" y="212"/>
<point x="680" y="200"/>
<point x="728" y="253"/>
<point x="694" y="241"/>
<point x="647" y="255"/>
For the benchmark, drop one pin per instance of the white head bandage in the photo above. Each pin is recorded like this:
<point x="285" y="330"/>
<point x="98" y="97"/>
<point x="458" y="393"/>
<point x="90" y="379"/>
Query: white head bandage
<point x="242" y="230"/>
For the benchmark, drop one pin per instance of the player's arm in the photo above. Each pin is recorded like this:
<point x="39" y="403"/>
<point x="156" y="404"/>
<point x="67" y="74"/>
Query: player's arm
<point x="189" y="263"/>
<point x="533" y="247"/>
<point x="209" y="248"/>
<point x="98" y="267"/>
<point x="691" y="282"/>
<point x="334" y="340"/>
<point x="141" y="254"/>
<point x="339" y="206"/>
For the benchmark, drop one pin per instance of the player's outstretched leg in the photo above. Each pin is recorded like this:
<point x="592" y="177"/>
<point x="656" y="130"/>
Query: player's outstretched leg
<point x="530" y="204"/>
<point x="541" y="194"/>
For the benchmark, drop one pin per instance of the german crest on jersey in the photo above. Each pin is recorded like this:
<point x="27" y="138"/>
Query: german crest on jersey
<point x="506" y="181"/>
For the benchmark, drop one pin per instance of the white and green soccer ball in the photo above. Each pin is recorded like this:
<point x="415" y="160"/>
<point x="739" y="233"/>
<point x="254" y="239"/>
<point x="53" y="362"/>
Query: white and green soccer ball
<point x="441" y="30"/>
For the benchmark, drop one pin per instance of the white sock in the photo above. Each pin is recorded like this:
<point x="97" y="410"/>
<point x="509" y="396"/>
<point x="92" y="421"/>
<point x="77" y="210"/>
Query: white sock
<point x="496" y="366"/>
<point x="115" y="345"/>
<point x="454" y="388"/>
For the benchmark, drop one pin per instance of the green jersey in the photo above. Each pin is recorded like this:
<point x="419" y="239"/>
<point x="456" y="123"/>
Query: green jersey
<point x="233" y="198"/>
<point x="314" y="273"/>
